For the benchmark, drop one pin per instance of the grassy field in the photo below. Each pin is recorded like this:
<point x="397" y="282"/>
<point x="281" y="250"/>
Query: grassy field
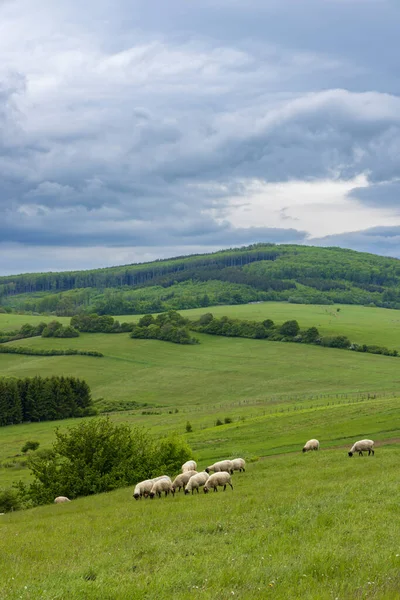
<point x="316" y="526"/>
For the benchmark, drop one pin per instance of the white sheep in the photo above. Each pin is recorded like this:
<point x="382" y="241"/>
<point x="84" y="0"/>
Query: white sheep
<point x="363" y="446"/>
<point x="61" y="499"/>
<point x="196" y="481"/>
<point x="181" y="480"/>
<point x="190" y="465"/>
<point x="222" y="465"/>
<point x="143" y="488"/>
<point x="162" y="485"/>
<point x="311" y="445"/>
<point x="239" y="464"/>
<point x="220" y="478"/>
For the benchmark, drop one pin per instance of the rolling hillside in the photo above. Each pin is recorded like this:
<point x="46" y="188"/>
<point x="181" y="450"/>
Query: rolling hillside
<point x="262" y="272"/>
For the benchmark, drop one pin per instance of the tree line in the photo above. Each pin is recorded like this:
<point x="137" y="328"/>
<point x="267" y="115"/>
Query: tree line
<point x="43" y="399"/>
<point x="289" y="331"/>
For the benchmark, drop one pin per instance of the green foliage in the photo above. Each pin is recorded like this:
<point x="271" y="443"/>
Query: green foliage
<point x="189" y="427"/>
<point x="169" y="327"/>
<point x="95" y="323"/>
<point x="289" y="328"/>
<point x="98" y="456"/>
<point x="30" y="445"/>
<point x="9" y="500"/>
<point x="337" y="341"/>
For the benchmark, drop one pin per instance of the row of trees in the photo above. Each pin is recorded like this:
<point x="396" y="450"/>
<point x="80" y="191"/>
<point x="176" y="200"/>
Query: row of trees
<point x="289" y="331"/>
<point x="95" y="323"/>
<point x="43" y="399"/>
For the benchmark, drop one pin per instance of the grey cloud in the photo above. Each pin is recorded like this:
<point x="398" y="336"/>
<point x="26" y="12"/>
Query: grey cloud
<point x="126" y="118"/>
<point x="377" y="240"/>
<point x="386" y="194"/>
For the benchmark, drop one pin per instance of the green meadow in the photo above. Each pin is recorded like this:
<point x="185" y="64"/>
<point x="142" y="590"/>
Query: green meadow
<point x="310" y="526"/>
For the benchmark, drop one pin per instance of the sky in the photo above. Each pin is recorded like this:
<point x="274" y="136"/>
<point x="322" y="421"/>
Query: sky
<point x="135" y="130"/>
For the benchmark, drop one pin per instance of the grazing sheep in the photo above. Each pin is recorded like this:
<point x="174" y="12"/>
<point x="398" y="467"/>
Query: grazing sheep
<point x="143" y="488"/>
<point x="61" y="499"/>
<point x="190" y="465"/>
<point x="239" y="464"/>
<point x="220" y="478"/>
<point x="222" y="465"/>
<point x="162" y="485"/>
<point x="363" y="446"/>
<point x="196" y="481"/>
<point x="181" y="480"/>
<point x="311" y="445"/>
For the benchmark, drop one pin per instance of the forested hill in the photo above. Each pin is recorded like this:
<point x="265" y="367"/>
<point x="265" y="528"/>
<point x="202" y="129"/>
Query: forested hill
<point x="301" y="274"/>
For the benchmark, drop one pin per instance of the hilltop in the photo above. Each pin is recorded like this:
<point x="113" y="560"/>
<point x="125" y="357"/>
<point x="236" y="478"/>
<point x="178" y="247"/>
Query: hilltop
<point x="261" y="272"/>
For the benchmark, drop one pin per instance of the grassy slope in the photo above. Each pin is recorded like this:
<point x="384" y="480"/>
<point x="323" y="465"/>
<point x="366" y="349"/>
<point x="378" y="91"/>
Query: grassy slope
<point x="296" y="526"/>
<point x="308" y="527"/>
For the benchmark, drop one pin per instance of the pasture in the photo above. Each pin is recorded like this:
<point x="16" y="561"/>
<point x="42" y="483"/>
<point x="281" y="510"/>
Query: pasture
<point x="316" y="526"/>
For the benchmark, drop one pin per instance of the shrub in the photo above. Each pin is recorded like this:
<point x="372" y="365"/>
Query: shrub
<point x="189" y="427"/>
<point x="218" y="422"/>
<point x="311" y="335"/>
<point x="289" y="328"/>
<point x="227" y="420"/>
<point x="9" y="500"/>
<point x="206" y="319"/>
<point x="30" y="445"/>
<point x="98" y="456"/>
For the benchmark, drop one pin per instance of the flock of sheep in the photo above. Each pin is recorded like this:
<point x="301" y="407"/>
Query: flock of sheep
<point x="190" y="480"/>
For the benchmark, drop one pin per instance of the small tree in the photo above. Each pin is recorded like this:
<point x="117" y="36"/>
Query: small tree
<point x="97" y="456"/>
<point x="30" y="445"/>
<point x="189" y="427"/>
<point x="289" y="328"/>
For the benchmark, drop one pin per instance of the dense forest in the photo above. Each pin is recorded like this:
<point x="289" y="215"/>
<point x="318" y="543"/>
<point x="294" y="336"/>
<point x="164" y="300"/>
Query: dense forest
<point x="261" y="272"/>
<point x="43" y="399"/>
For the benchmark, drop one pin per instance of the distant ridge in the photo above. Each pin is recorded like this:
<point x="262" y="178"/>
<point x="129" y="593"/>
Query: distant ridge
<point x="260" y="272"/>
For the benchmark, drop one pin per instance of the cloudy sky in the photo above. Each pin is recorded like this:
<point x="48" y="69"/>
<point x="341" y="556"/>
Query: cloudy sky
<point x="140" y="129"/>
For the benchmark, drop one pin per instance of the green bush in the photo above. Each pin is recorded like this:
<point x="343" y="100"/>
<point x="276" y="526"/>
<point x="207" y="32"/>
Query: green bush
<point x="289" y="328"/>
<point x="9" y="500"/>
<point x="30" y="445"/>
<point x="98" y="456"/>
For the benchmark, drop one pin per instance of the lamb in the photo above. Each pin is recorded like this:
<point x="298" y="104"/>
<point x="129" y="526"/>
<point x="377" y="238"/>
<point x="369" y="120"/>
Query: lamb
<point x="181" y="480"/>
<point x="143" y="488"/>
<point x="311" y="445"/>
<point x="220" y="478"/>
<point x="162" y="485"/>
<point x="222" y="465"/>
<point x="190" y="465"/>
<point x="196" y="481"/>
<point x="239" y="464"/>
<point x="61" y="499"/>
<point x="363" y="446"/>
